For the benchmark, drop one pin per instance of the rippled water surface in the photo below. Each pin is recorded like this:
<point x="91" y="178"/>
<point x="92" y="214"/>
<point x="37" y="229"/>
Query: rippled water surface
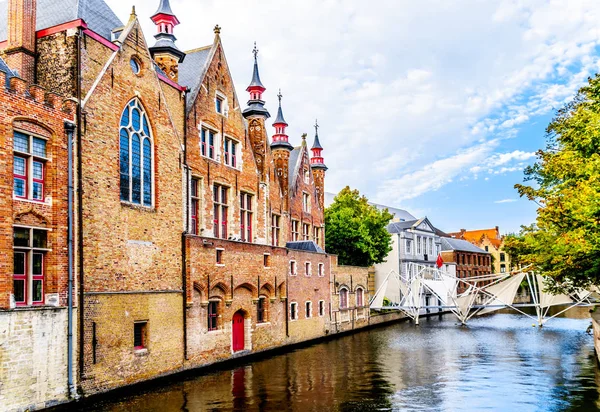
<point x="497" y="363"/>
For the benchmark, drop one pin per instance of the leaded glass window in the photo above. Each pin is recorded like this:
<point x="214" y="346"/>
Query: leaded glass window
<point x="135" y="156"/>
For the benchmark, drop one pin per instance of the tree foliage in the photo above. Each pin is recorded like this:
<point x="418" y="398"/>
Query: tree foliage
<point x="357" y="231"/>
<point x="564" y="243"/>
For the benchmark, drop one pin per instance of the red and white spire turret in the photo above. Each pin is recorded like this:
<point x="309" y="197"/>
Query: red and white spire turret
<point x="280" y="138"/>
<point x="317" y="161"/>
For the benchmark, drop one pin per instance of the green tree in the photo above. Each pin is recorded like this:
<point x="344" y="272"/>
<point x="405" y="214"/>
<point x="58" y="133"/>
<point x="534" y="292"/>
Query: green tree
<point x="564" y="243"/>
<point x="357" y="231"/>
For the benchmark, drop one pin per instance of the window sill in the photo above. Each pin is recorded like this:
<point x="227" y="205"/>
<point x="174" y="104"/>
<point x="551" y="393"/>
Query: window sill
<point x="237" y="169"/>
<point x="46" y="202"/>
<point x="136" y="206"/>
<point x="141" y="352"/>
<point x="220" y="265"/>
<point x="263" y="324"/>
<point x="215" y="160"/>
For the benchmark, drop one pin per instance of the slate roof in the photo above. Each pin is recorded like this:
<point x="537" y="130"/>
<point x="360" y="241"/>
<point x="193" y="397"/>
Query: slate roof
<point x="279" y="118"/>
<point x="99" y="17"/>
<point x="317" y="144"/>
<point x="9" y="73"/>
<point x="398" y="227"/>
<point x="164" y="8"/>
<point x="305" y="245"/>
<point x="293" y="166"/>
<point x="191" y="71"/>
<point x="449" y="243"/>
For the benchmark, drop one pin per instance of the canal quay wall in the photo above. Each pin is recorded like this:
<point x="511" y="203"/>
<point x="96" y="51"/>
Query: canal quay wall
<point x="596" y="326"/>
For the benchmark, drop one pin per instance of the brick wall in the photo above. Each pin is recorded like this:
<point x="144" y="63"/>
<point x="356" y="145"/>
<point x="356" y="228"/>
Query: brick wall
<point x="132" y="253"/>
<point x="353" y="279"/>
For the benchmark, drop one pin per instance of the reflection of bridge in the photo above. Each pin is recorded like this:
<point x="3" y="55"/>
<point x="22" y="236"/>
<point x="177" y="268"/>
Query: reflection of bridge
<point x="430" y="289"/>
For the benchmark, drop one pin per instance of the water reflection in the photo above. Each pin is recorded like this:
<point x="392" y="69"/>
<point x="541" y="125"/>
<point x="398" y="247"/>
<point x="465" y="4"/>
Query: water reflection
<point x="498" y="362"/>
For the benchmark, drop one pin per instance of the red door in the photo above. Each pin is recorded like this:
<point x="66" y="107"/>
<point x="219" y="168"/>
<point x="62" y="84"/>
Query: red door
<point x="238" y="332"/>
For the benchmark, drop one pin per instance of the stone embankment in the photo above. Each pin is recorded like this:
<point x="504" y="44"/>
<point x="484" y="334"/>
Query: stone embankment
<point x="596" y="325"/>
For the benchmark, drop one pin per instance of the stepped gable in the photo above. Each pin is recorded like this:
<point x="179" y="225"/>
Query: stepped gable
<point x="96" y="13"/>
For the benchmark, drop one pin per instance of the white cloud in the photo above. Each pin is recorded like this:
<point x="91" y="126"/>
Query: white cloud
<point x="506" y="201"/>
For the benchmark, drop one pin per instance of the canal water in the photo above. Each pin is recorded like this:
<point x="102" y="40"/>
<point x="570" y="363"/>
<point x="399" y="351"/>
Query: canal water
<point x="496" y="363"/>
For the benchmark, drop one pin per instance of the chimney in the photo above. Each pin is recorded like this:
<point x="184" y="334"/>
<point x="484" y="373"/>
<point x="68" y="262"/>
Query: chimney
<point x="20" y="51"/>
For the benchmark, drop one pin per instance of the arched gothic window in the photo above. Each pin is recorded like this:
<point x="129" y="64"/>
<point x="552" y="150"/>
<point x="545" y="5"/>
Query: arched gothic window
<point x="343" y="298"/>
<point x="135" y="156"/>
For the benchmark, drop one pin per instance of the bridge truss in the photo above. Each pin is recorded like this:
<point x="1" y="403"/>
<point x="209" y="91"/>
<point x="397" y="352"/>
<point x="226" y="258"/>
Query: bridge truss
<point x="427" y="289"/>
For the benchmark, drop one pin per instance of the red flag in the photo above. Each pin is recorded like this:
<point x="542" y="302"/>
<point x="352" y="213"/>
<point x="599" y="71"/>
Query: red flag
<point x="439" y="262"/>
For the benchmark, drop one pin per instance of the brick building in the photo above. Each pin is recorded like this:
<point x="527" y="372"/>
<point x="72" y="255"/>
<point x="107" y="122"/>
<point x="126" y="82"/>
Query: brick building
<point x="196" y="236"/>
<point x="491" y="241"/>
<point x="470" y="261"/>
<point x="35" y="127"/>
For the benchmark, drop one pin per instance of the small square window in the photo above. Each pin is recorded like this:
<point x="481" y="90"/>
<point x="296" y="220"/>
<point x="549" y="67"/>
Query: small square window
<point x="267" y="260"/>
<point x="307" y="268"/>
<point x="308" y="309"/>
<point x="219" y="256"/>
<point x="321" y="308"/>
<point x="139" y="335"/>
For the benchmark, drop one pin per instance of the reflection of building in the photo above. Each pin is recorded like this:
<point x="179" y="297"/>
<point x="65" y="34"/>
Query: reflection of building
<point x="470" y="260"/>
<point x="491" y="241"/>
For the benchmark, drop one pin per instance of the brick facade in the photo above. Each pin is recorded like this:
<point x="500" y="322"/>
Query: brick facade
<point x="468" y="265"/>
<point x="164" y="285"/>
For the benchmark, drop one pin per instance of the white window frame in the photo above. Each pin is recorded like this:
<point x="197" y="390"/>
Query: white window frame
<point x="224" y="104"/>
<point x="308" y="314"/>
<point x="295" y="266"/>
<point x="293" y="312"/>
<point x="307" y="269"/>
<point x="321" y="270"/>
<point x="305" y="202"/>
<point x="217" y="142"/>
<point x="238" y="152"/>
<point x="321" y="313"/>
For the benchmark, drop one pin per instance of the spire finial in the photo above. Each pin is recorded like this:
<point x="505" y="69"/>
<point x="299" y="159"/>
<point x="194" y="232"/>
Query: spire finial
<point x="132" y="16"/>
<point x="316" y="126"/>
<point x="217" y="29"/>
<point x="279" y="96"/>
<point x="255" y="51"/>
<point x="304" y="137"/>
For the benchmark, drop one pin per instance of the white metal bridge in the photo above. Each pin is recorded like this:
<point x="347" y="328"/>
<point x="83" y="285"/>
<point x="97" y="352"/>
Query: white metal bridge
<point x="428" y="288"/>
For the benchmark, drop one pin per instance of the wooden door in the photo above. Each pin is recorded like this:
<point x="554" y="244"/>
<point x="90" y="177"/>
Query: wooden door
<point x="238" y="332"/>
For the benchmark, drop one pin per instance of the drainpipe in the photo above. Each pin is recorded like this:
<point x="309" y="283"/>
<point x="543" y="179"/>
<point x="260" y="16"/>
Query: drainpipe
<point x="80" y="302"/>
<point x="185" y="231"/>
<point x="70" y="129"/>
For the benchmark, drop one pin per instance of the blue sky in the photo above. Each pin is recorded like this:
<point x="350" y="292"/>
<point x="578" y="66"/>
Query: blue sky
<point x="431" y="106"/>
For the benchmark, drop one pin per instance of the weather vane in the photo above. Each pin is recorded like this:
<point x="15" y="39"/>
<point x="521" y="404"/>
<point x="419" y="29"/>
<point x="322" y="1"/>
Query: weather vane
<point x="316" y="126"/>
<point x="255" y="51"/>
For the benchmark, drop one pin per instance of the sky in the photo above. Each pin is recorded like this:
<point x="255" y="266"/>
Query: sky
<point x="431" y="106"/>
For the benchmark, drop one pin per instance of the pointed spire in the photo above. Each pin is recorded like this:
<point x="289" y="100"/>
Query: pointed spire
<point x="256" y="106"/>
<point x="317" y="161"/>
<point x="280" y="138"/>
<point x="317" y="144"/>
<point x="279" y="119"/>
<point x="255" y="76"/>
<point x="164" y="8"/>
